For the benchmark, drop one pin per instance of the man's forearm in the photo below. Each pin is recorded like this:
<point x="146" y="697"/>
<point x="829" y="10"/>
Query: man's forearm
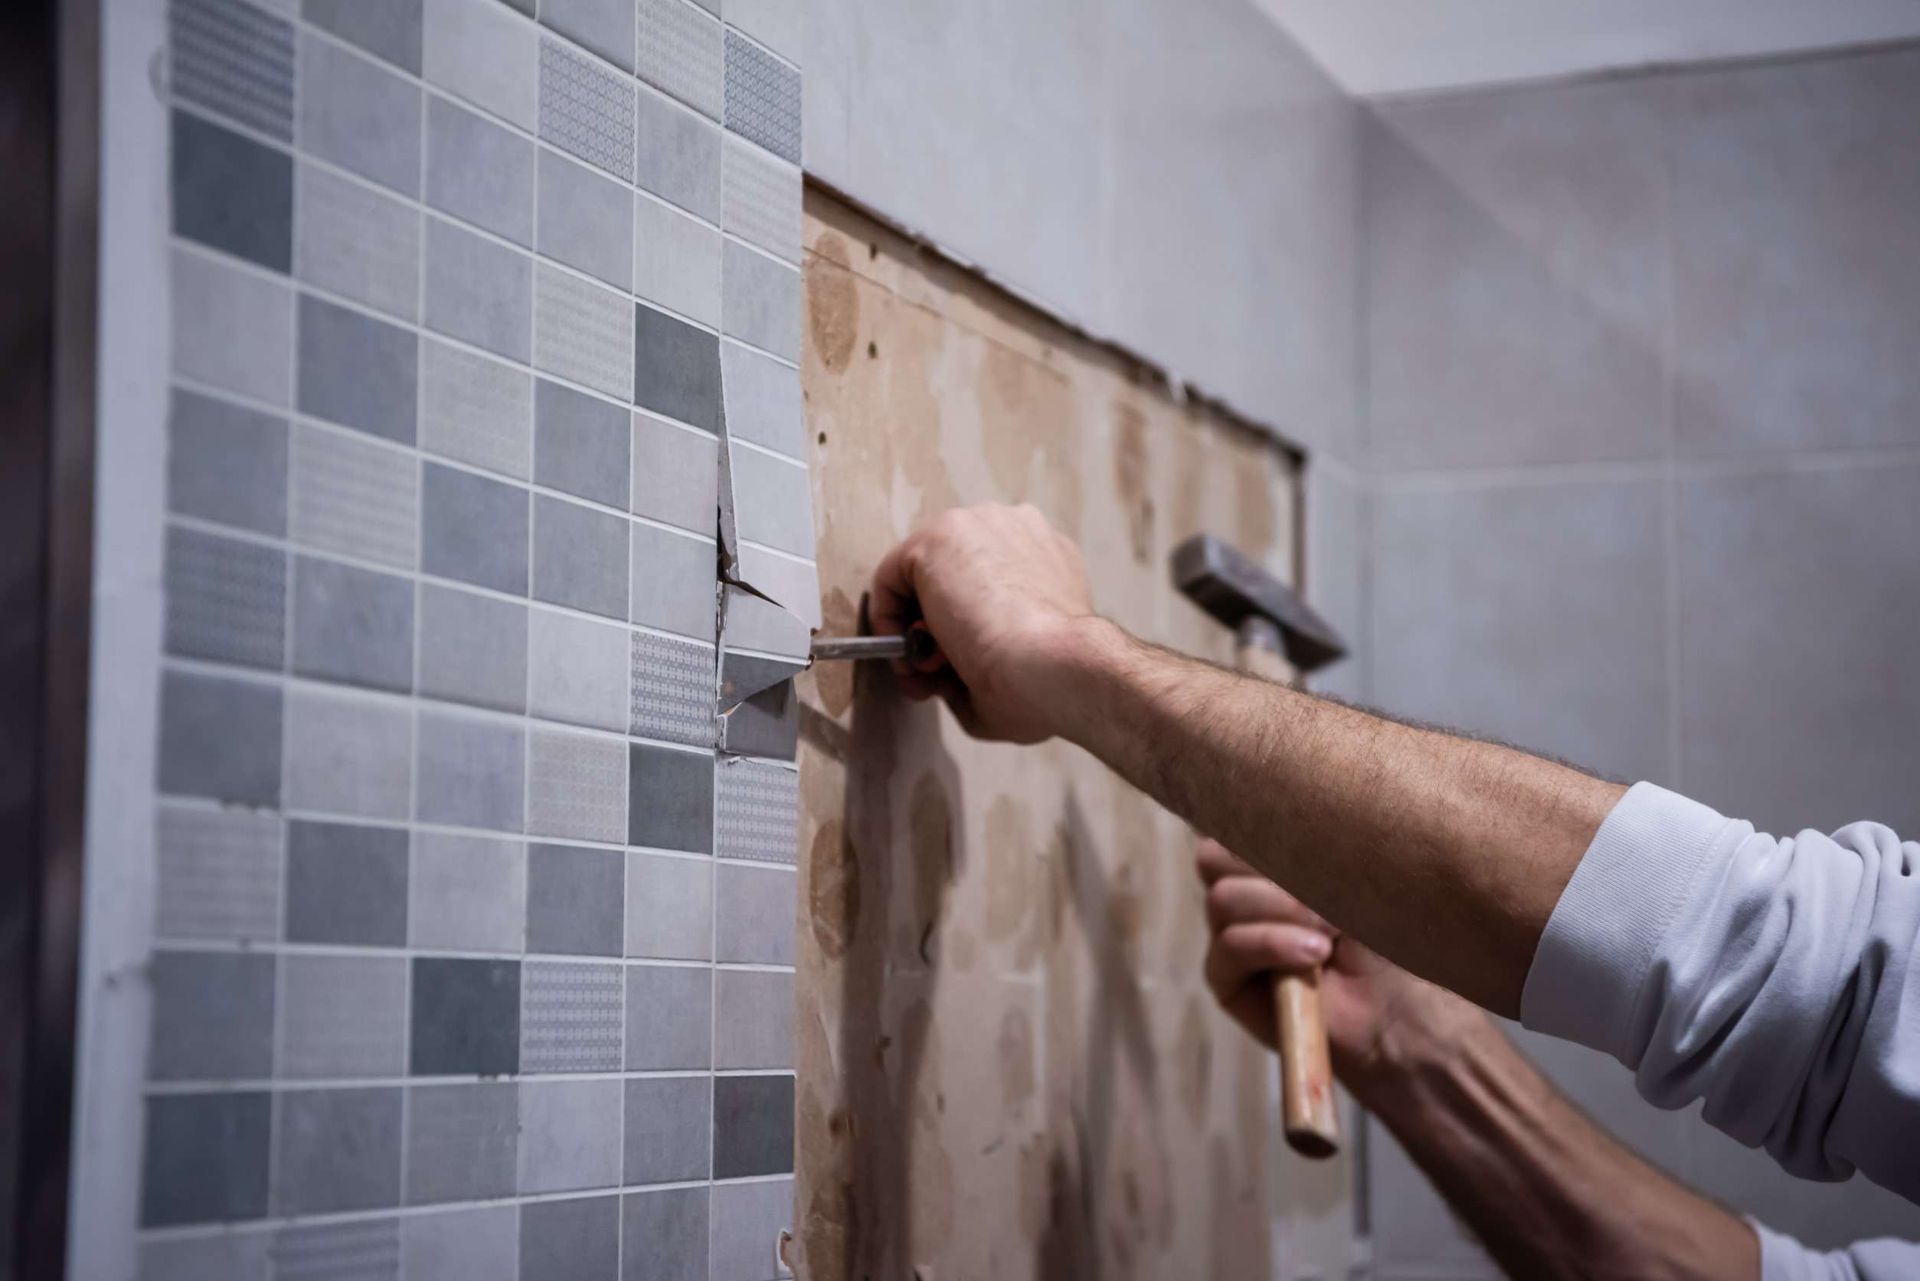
<point x="1445" y="854"/>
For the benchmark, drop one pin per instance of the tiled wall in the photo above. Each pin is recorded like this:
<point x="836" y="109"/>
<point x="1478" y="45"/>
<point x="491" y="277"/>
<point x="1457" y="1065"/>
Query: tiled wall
<point x="473" y="936"/>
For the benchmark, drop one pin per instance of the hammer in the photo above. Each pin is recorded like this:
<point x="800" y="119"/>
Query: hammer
<point x="1274" y="631"/>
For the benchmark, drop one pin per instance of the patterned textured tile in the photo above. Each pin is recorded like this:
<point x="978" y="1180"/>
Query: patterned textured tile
<point x="580" y="556"/>
<point x="581" y="443"/>
<point x="358" y="371"/>
<point x="219" y="874"/>
<point x="389" y="30"/>
<point x="670" y="805"/>
<point x="346" y="883"/>
<point x="219" y="738"/>
<point x="763" y="98"/>
<point x="669" y="907"/>
<point x="674" y="1223"/>
<point x="462" y="1142"/>
<point x="604" y="26"/>
<point x="680" y="53"/>
<point x="351" y="624"/>
<point x="584" y="332"/>
<point x="752" y="1019"/>
<point x="356" y="242"/>
<point x="679" y="156"/>
<point x="342" y="1016"/>
<point x="676" y="369"/>
<point x="571" y="1015"/>
<point x="763" y="400"/>
<point x="206" y="1158"/>
<point x="354" y="497"/>
<point x="578" y="786"/>
<point x="359" y="115"/>
<point x="479" y="172"/>
<point x="233" y="59"/>
<point x="760" y="199"/>
<point x="232" y="329"/>
<point x="478" y="51"/>
<point x="753" y="914"/>
<point x="226" y="599"/>
<point x="578" y="670"/>
<point x="336" y="1149"/>
<point x="232" y="193"/>
<point x="466" y="1017"/>
<point x="475" y="410"/>
<point x="748" y="1219"/>
<point x="757" y="809"/>
<point x="669" y="1018"/>
<point x="566" y="1139"/>
<point x="586" y="220"/>
<point x="226" y="463"/>
<point x="368" y="1250"/>
<point x="774" y="498"/>
<point x="474" y="529"/>
<point x="669" y="1129"/>
<point x="752" y="1126"/>
<point x="473" y="648"/>
<point x="576" y="1237"/>
<point x="673" y="690"/>
<point x="481" y="1244"/>
<point x="760" y="301"/>
<point x="348" y="754"/>
<point x="478" y="290"/>
<point x="467" y="893"/>
<point x="586" y="110"/>
<point x="212" y="1016"/>
<point x="472" y="771"/>
<point x="677" y="261"/>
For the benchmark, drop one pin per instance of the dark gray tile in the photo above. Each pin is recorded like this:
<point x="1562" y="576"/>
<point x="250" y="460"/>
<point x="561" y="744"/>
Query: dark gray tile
<point x="481" y="1244"/>
<point x="360" y="1249"/>
<point x="580" y="443"/>
<point x="474" y="529"/>
<point x="472" y="772"/>
<point x="604" y="26"/>
<point x="234" y="59"/>
<point x="357" y="371"/>
<point x="466" y="1017"/>
<point x="462" y="1142"/>
<point x="473" y="648"/>
<point x="578" y="1239"/>
<point x="586" y="220"/>
<point x="676" y="368"/>
<point x="232" y="193"/>
<point x="752" y="1126"/>
<point x="219" y="738"/>
<point x="226" y="599"/>
<point x="390" y="29"/>
<point x="352" y="624"/>
<point x="342" y="1016"/>
<point x="760" y="301"/>
<point x="336" y="1150"/>
<point x="669" y="1018"/>
<point x="568" y="1140"/>
<point x="572" y="1019"/>
<point x="359" y="115"/>
<point x="479" y="291"/>
<point x="752" y="1019"/>
<point x="675" y="582"/>
<point x="679" y="156"/>
<point x="586" y="109"/>
<point x="748" y="1219"/>
<point x="673" y="1222"/>
<point x="348" y="753"/>
<point x="763" y="98"/>
<point x="766" y="723"/>
<point x="574" y="900"/>
<point x="676" y="474"/>
<point x="479" y="172"/>
<point x="346" y="883"/>
<point x="669" y="1128"/>
<point x="670" y="799"/>
<point x="669" y="907"/>
<point x="226" y="463"/>
<point x="212" y="1016"/>
<point x="754" y="908"/>
<point x="205" y="1158"/>
<point x="579" y="557"/>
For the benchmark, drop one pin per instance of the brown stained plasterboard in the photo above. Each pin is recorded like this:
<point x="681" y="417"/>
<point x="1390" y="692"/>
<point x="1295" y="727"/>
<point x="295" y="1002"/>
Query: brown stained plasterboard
<point x="1008" y="1062"/>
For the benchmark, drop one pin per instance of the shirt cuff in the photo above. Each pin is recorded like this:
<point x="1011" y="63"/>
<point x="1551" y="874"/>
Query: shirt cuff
<point x="1601" y="940"/>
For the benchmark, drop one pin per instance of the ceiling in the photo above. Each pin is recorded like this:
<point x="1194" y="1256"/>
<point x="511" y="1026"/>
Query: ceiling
<point x="1374" y="47"/>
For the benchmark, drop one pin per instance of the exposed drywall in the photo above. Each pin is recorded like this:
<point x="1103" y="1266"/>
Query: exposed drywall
<point x="1009" y="1066"/>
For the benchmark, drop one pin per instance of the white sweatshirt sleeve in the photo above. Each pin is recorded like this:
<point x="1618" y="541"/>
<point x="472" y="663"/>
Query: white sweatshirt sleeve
<point x="1775" y="978"/>
<point x="1784" y="1259"/>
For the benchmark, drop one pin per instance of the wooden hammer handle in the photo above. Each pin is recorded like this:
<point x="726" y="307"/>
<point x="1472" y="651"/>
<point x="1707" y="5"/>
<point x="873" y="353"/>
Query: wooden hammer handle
<point x="1308" y="1115"/>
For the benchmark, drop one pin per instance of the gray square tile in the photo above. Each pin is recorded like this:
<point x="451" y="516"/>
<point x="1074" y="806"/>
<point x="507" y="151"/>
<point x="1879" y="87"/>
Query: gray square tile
<point x="212" y="1016"/>
<point x="676" y="261"/>
<point x="205" y="1158"/>
<point x="574" y="900"/>
<point x="359" y="115"/>
<point x="233" y="59"/>
<point x="475" y="409"/>
<point x="462" y="1142"/>
<point x="584" y="331"/>
<point x="232" y="329"/>
<point x="586" y="109"/>
<point x="604" y="26"/>
<point x="756" y="810"/>
<point x="571" y="1017"/>
<point x="469" y="893"/>
<point x="669" y="1018"/>
<point x="357" y="371"/>
<point x="482" y="53"/>
<point x="479" y="172"/>
<point x="748" y="1219"/>
<point x="358" y="242"/>
<point x="226" y="599"/>
<point x="673" y="690"/>
<point x="679" y="156"/>
<point x="354" y="496"/>
<point x="219" y="874"/>
<point x="674" y="1223"/>
<point x="474" y="529"/>
<point x="669" y="1129"/>
<point x="766" y="723"/>
<point x="578" y="1239"/>
<point x="676" y="474"/>
<point x="754" y="912"/>
<point x="760" y="198"/>
<point x="586" y="220"/>
<point x="479" y="291"/>
<point x="760" y="301"/>
<point x="336" y="1150"/>
<point x="579" y="670"/>
<point x="580" y="443"/>
<point x="763" y="400"/>
<point x="473" y="649"/>
<point x="466" y="1017"/>
<point x="352" y="624"/>
<point x="480" y="1244"/>
<point x="676" y="369"/>
<point x="229" y="1256"/>
<point x="219" y="738"/>
<point x="752" y="1126"/>
<point x="579" y="557"/>
<point x="226" y="463"/>
<point x="348" y="754"/>
<point x="359" y="1250"/>
<point x="569" y="1136"/>
<point x="752" y="1019"/>
<point x="773" y="500"/>
<point x="346" y="883"/>
<point x="763" y="98"/>
<point x="232" y="193"/>
<point x="390" y="29"/>
<point x="342" y="1017"/>
<point x="670" y="799"/>
<point x="669" y="907"/>
<point x="577" y="785"/>
<point x="472" y="771"/>
<point x="680" y="53"/>
<point x="675" y="582"/>
<point x="794" y="584"/>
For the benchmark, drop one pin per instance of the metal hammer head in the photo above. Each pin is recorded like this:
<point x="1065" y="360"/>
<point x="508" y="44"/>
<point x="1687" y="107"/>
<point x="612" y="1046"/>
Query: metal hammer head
<point x="1235" y="589"/>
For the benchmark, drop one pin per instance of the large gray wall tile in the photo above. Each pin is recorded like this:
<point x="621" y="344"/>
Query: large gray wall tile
<point x="230" y="57"/>
<point x="680" y="53"/>
<point x="336" y="1150"/>
<point x="679" y="156"/>
<point x="481" y="52"/>
<point x="479" y="291"/>
<point x="226" y="599"/>
<point x="342" y="1016"/>
<point x="358" y="242"/>
<point x="676" y="474"/>
<point x="773" y="500"/>
<point x="604" y="26"/>
<point x="669" y="1129"/>
<point x="752" y="1125"/>
<point x="475" y="409"/>
<point x="674" y="1220"/>
<point x="577" y="785"/>
<point x="754" y="913"/>
<point x="763" y="400"/>
<point x="677" y="368"/>
<point x="346" y="883"/>
<point x="352" y="624"/>
<point x="369" y="1249"/>
<point x="390" y="29"/>
<point x="575" y="1237"/>
<point x="472" y="771"/>
<point x="677" y="261"/>
<point x="763" y="98"/>
<point x="227" y="1256"/>
<point x="669" y="907"/>
<point x="586" y="109"/>
<point x="473" y="648"/>
<point x="348" y="754"/>
<point x="474" y="529"/>
<point x="205" y="1158"/>
<point x="358" y="371"/>
<point x="748" y="1219"/>
<point x="465" y="1017"/>
<point x="359" y="115"/>
<point x="232" y="329"/>
<point x="579" y="670"/>
<point x="467" y="893"/>
<point x="670" y="799"/>
<point x="669" y="1017"/>
<point x="585" y="332"/>
<point x="354" y="496"/>
<point x="226" y="463"/>
<point x="571" y="1015"/>
<point x="232" y="193"/>
<point x="462" y="1142"/>
<point x="756" y="810"/>
<point x="566" y="1142"/>
<point x="760" y="196"/>
<point x="586" y="220"/>
<point x="752" y="1019"/>
<point x="674" y="686"/>
<point x="574" y="900"/>
<point x="219" y="738"/>
<point x="580" y="443"/>
<point x="760" y="301"/>
<point x="212" y="1016"/>
<point x="479" y="172"/>
<point x="480" y="1244"/>
<point x="219" y="873"/>
<point x="579" y="556"/>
